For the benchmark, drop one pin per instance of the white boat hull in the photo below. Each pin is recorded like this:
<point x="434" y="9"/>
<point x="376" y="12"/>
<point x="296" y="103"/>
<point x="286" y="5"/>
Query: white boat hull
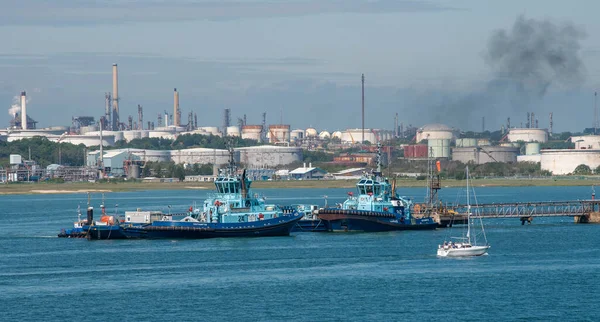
<point x="462" y="252"/>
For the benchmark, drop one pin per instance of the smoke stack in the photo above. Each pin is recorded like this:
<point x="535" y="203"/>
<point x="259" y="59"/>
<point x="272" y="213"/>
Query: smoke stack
<point x="177" y="121"/>
<point x="23" y="111"/>
<point x="363" y="108"/>
<point x="551" y="123"/>
<point x="115" y="97"/>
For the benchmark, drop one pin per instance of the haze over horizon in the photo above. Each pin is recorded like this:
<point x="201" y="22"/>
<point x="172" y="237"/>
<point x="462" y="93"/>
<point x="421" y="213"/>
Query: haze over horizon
<point x="444" y="61"/>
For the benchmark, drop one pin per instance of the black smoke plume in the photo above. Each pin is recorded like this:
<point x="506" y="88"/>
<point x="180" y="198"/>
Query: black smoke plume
<point x="526" y="61"/>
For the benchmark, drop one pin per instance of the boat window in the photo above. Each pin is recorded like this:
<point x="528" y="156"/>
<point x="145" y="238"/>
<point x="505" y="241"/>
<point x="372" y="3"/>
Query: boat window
<point x="232" y="188"/>
<point x="225" y="188"/>
<point x="369" y="189"/>
<point x="377" y="189"/>
<point x="361" y="182"/>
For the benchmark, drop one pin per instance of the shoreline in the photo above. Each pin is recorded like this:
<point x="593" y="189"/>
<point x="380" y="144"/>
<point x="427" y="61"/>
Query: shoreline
<point x="84" y="187"/>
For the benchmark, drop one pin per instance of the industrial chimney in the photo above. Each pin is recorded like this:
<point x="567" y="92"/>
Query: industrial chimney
<point x="115" y="98"/>
<point x="176" y="113"/>
<point x="23" y="111"/>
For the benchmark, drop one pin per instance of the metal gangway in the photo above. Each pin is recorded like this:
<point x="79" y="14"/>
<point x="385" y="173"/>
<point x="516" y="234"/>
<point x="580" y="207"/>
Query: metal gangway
<point x="528" y="210"/>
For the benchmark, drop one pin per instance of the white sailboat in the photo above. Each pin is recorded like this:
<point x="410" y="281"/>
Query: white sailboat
<point x="466" y="245"/>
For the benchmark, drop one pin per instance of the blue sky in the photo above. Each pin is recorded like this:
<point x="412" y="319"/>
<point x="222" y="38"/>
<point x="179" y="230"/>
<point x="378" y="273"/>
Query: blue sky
<point x="426" y="60"/>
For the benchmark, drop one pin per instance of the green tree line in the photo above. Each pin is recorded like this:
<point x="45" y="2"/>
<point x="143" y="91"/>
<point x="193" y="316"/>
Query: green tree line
<point x="43" y="151"/>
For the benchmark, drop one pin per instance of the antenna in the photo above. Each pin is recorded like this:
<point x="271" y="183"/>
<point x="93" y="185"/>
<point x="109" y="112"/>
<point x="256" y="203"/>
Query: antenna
<point x="595" y="113"/>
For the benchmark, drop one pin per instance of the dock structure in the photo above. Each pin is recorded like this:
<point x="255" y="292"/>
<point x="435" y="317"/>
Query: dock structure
<point x="583" y="211"/>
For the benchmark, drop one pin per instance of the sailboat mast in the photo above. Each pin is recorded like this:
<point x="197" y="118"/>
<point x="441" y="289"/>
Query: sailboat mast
<point x="468" y="208"/>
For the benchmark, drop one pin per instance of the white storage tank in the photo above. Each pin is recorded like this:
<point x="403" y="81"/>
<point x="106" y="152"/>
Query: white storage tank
<point x="252" y="132"/>
<point x="485" y="154"/>
<point x="434" y="132"/>
<point x="297" y="135"/>
<point x="532" y="148"/>
<point x="511" y="144"/>
<point x="211" y="130"/>
<point x="324" y="135"/>
<point x="565" y="161"/>
<point x="279" y="133"/>
<point x="311" y="132"/>
<point x="483" y="142"/>
<point x="269" y="155"/>
<point x="337" y="135"/>
<point x="355" y="136"/>
<point x="438" y="148"/>
<point x="586" y="141"/>
<point x="466" y="142"/>
<point x="15" y="159"/>
<point x="86" y="129"/>
<point x="233" y="131"/>
<point x="528" y="135"/>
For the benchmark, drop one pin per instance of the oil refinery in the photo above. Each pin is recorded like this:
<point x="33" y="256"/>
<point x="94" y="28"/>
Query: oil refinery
<point x="278" y="144"/>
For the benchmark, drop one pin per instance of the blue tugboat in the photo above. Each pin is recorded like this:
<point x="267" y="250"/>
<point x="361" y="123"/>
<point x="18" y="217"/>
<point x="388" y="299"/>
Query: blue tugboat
<point x="230" y="212"/>
<point x="106" y="228"/>
<point x="376" y="208"/>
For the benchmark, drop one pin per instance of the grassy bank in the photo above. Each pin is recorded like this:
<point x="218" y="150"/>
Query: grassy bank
<point x="31" y="188"/>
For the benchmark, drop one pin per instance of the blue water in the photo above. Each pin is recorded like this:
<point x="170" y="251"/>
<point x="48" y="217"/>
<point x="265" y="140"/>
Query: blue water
<point x="544" y="271"/>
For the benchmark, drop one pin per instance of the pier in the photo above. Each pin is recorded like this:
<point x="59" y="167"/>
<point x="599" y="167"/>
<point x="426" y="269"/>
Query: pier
<point x="582" y="211"/>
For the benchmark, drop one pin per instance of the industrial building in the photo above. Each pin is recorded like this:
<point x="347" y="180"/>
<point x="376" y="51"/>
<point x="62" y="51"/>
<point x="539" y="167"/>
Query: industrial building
<point x="307" y="173"/>
<point x="115" y="162"/>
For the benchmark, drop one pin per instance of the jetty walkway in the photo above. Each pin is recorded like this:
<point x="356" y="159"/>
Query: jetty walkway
<point x="583" y="211"/>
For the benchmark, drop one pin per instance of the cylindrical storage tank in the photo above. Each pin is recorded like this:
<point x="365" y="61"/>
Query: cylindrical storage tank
<point x="466" y="142"/>
<point x="439" y="148"/>
<point x="279" y="133"/>
<point x="233" y="131"/>
<point x="324" y="135"/>
<point x="211" y="130"/>
<point x="528" y="135"/>
<point x="532" y="148"/>
<point x="483" y="142"/>
<point x="337" y="135"/>
<point x="269" y="156"/>
<point x="118" y="136"/>
<point x="297" y="135"/>
<point x="355" y="136"/>
<point x="311" y="133"/>
<point x="161" y="134"/>
<point x="86" y="129"/>
<point x="251" y="132"/>
<point x="133" y="171"/>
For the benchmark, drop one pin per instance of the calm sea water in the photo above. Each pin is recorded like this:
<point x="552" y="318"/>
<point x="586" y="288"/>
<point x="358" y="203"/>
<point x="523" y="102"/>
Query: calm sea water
<point x="544" y="271"/>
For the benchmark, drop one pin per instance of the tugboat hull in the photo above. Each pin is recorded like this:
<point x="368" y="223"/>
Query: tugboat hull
<point x="311" y="226"/>
<point x="191" y="230"/>
<point x="365" y="221"/>
<point x="104" y="232"/>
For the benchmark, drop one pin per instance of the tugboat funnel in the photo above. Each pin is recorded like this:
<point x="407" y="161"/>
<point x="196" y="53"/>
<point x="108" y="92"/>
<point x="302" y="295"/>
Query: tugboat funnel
<point x="90" y="215"/>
